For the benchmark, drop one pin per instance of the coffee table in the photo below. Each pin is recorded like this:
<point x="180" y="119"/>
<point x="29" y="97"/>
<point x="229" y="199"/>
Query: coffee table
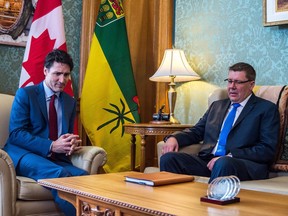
<point x="109" y="194"/>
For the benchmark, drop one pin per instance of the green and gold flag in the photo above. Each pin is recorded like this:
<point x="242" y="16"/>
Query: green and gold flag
<point x="109" y="97"/>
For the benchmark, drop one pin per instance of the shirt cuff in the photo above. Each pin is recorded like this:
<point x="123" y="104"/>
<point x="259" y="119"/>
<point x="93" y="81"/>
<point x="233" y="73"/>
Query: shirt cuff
<point x="50" y="150"/>
<point x="229" y="155"/>
<point x="167" y="137"/>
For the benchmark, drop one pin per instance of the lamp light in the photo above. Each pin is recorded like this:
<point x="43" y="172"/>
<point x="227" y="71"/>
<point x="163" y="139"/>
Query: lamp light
<point x="174" y="68"/>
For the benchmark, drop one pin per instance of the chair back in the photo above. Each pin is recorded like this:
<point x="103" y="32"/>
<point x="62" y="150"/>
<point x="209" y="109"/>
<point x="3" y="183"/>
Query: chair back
<point x="271" y="93"/>
<point x="5" y="109"/>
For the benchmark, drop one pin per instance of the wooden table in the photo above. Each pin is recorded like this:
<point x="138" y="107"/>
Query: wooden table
<point x="109" y="193"/>
<point x="145" y="130"/>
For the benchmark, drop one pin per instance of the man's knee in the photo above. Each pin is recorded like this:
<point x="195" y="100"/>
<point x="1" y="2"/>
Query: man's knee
<point x="166" y="158"/>
<point x="224" y="166"/>
<point x="62" y="172"/>
<point x="223" y="162"/>
<point x="83" y="172"/>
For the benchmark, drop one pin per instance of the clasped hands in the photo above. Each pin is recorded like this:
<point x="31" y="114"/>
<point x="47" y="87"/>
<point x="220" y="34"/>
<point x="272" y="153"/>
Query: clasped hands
<point x="66" y="143"/>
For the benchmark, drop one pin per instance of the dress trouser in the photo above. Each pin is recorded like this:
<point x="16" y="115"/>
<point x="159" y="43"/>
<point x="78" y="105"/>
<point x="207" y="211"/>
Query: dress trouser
<point x="184" y="163"/>
<point x="36" y="167"/>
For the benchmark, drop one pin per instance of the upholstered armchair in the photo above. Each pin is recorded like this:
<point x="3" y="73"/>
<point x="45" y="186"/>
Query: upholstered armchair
<point x="276" y="94"/>
<point x="23" y="196"/>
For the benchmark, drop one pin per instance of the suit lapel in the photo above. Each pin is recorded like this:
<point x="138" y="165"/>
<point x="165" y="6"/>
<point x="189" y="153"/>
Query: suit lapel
<point x="222" y="113"/>
<point x="248" y="107"/>
<point x="41" y="99"/>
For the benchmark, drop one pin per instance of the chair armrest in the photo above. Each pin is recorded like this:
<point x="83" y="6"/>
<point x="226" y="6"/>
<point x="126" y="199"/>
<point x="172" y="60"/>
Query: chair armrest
<point x="192" y="149"/>
<point x="8" y="188"/>
<point x="90" y="158"/>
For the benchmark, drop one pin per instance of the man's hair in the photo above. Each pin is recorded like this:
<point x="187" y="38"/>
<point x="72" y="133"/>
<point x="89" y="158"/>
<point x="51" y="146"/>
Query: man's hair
<point x="247" y="68"/>
<point x="58" y="56"/>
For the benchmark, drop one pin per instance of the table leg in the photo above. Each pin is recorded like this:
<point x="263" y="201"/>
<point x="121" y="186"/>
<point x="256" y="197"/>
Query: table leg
<point x="143" y="156"/>
<point x="133" y="151"/>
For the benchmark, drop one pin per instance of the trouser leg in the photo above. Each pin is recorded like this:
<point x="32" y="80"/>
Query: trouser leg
<point x="36" y="167"/>
<point x="184" y="164"/>
<point x="226" y="166"/>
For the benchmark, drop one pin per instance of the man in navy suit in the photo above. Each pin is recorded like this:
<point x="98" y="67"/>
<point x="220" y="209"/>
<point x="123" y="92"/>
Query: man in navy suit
<point x="35" y="155"/>
<point x="250" y="144"/>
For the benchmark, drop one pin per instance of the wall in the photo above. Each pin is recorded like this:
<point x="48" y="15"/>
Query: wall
<point x="11" y="56"/>
<point x="215" y="34"/>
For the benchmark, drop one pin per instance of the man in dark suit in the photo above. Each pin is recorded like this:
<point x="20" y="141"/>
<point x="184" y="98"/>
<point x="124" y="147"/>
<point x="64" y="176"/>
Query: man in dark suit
<point x="249" y="147"/>
<point x="34" y="153"/>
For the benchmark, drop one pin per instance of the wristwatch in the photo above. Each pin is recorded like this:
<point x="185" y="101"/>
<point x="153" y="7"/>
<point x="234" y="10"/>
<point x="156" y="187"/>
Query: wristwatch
<point x="167" y="137"/>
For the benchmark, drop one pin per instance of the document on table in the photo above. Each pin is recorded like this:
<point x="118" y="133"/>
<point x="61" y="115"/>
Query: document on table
<point x="158" y="178"/>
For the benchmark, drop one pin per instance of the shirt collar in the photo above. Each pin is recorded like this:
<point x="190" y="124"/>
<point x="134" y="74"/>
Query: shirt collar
<point x="49" y="92"/>
<point x="243" y="103"/>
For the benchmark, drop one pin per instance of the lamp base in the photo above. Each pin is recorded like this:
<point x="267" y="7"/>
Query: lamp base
<point x="173" y="120"/>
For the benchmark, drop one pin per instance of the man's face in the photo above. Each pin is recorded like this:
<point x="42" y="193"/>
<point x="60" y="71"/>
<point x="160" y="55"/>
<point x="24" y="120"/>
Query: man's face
<point x="238" y="89"/>
<point x="57" y="76"/>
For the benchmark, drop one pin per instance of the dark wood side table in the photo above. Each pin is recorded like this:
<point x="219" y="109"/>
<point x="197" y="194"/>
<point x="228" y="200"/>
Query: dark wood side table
<point x="144" y="130"/>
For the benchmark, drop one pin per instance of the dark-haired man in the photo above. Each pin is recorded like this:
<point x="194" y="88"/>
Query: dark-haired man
<point x="245" y="150"/>
<point x="40" y="150"/>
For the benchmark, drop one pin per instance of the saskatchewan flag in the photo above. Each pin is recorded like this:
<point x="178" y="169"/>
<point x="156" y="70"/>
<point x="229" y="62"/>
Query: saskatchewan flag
<point x="109" y="97"/>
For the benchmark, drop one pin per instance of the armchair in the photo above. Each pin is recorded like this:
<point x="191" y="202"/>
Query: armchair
<point x="279" y="170"/>
<point x="23" y="196"/>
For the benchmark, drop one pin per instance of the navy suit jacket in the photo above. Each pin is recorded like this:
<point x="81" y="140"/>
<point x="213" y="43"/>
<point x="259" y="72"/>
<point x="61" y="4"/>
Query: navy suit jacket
<point x="29" y="129"/>
<point x="253" y="138"/>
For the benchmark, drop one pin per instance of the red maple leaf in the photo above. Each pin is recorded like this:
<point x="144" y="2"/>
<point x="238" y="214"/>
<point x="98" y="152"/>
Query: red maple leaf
<point x="34" y="65"/>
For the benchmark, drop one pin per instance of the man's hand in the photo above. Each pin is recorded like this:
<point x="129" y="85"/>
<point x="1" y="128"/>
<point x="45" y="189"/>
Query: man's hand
<point x="170" y="145"/>
<point x="75" y="146"/>
<point x="211" y="163"/>
<point x="67" y="143"/>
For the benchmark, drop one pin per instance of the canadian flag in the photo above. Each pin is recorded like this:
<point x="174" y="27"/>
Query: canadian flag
<point x="46" y="33"/>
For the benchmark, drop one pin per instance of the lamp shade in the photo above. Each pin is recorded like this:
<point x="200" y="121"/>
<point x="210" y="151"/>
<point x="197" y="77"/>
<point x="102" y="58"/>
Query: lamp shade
<point x="174" y="64"/>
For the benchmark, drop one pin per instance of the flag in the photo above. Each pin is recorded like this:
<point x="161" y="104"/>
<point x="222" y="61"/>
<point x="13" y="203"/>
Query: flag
<point x="109" y="97"/>
<point x="46" y="33"/>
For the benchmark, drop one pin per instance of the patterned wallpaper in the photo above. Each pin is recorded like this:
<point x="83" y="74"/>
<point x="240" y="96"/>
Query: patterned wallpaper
<point x="11" y="56"/>
<point x="215" y="34"/>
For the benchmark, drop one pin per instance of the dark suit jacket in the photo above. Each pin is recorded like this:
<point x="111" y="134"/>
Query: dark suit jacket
<point x="29" y="130"/>
<point x="253" y="138"/>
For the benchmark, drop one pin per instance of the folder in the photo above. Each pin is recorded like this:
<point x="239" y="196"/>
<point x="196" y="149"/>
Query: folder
<point x="158" y="178"/>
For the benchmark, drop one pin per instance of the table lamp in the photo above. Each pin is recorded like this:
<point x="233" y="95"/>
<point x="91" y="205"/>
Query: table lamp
<point x="174" y="68"/>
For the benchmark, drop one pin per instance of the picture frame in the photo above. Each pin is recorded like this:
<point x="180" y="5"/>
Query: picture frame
<point x="14" y="18"/>
<point x="275" y="12"/>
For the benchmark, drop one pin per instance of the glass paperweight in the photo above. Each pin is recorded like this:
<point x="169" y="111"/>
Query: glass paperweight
<point x="224" y="188"/>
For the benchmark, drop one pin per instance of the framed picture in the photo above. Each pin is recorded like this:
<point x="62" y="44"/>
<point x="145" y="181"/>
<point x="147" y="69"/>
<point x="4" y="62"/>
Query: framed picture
<point x="275" y="12"/>
<point x="14" y="17"/>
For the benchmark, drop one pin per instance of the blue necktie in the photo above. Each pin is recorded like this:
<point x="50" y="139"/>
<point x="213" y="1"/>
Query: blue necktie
<point x="221" y="148"/>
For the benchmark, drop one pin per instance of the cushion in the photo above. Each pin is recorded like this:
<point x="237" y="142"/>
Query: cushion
<point x="28" y="189"/>
<point x="273" y="185"/>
